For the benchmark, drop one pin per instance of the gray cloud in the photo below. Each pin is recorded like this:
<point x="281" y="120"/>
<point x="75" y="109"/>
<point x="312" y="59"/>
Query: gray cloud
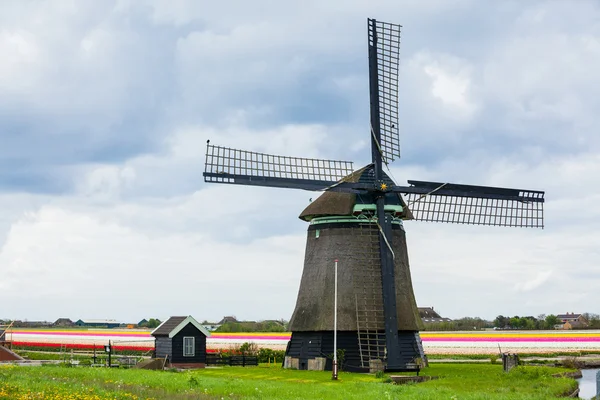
<point x="105" y="109"/>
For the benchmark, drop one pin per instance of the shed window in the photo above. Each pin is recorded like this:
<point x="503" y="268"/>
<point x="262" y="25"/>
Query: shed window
<point x="189" y="346"/>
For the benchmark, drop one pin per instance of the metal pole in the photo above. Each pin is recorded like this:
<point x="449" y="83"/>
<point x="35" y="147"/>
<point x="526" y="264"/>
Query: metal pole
<point x="334" y="370"/>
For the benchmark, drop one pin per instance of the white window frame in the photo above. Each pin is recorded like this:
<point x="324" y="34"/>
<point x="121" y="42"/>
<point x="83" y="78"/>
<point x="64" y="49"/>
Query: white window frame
<point x="185" y="353"/>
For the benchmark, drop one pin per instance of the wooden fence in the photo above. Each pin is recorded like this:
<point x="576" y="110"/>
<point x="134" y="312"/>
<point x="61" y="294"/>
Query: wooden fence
<point x="238" y="361"/>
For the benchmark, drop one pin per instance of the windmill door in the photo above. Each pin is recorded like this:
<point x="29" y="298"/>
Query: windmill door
<point x="310" y="348"/>
<point x="303" y="359"/>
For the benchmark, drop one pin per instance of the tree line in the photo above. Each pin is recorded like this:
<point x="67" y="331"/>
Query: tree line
<point x="462" y="324"/>
<point x="529" y="322"/>
<point x="593" y="319"/>
<point x="542" y="321"/>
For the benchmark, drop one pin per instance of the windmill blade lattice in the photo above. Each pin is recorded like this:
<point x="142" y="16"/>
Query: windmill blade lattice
<point x="475" y="205"/>
<point x="384" y="39"/>
<point x="227" y="165"/>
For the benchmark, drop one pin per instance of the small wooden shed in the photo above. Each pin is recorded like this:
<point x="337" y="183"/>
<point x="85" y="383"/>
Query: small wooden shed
<point x="183" y="341"/>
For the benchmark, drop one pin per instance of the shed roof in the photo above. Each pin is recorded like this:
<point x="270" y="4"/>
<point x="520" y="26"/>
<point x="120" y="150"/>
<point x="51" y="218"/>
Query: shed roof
<point x="173" y="325"/>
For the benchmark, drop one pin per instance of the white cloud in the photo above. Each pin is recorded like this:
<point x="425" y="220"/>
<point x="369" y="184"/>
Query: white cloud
<point x="452" y="89"/>
<point x="20" y="55"/>
<point x="58" y="262"/>
<point x="545" y="70"/>
<point x="534" y="283"/>
<point x="106" y="182"/>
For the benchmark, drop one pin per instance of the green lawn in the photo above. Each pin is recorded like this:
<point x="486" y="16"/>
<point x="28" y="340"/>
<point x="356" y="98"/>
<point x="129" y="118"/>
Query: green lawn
<point x="470" y="381"/>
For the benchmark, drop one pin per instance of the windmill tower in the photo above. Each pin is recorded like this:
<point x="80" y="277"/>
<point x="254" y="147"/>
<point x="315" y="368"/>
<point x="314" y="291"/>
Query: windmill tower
<point x="359" y="221"/>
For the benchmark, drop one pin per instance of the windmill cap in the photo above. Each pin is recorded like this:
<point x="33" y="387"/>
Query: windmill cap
<point x="331" y="204"/>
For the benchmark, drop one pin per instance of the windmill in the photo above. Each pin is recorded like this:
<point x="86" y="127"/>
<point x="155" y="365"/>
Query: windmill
<point x="359" y="220"/>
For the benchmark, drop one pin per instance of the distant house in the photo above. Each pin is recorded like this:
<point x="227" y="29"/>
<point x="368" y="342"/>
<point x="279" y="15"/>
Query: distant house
<point x="183" y="341"/>
<point x="98" y="323"/>
<point x="576" y="321"/>
<point x="573" y="325"/>
<point x="229" y="318"/>
<point x="63" y="322"/>
<point x="429" y="315"/>
<point x="142" y="322"/>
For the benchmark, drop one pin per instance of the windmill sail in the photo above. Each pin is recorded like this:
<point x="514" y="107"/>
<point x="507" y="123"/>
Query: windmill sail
<point x="384" y="52"/>
<point x="227" y="165"/>
<point x="384" y="49"/>
<point x="475" y="205"/>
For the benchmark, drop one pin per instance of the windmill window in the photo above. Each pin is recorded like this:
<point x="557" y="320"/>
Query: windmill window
<point x="189" y="346"/>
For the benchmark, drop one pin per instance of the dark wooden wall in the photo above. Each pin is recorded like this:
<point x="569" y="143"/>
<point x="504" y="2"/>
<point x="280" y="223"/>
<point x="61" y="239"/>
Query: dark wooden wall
<point x="163" y="347"/>
<point x="177" y="342"/>
<point x="307" y="345"/>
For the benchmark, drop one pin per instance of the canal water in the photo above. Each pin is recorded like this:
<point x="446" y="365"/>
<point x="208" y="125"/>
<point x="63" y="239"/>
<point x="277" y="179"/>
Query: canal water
<point x="587" y="383"/>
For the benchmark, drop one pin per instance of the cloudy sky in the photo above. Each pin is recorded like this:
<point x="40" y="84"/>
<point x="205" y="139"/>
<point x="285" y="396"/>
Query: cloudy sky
<point x="105" y="108"/>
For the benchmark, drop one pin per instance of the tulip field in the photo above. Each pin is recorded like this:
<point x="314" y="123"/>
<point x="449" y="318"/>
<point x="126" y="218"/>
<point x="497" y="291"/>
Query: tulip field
<point x="475" y="342"/>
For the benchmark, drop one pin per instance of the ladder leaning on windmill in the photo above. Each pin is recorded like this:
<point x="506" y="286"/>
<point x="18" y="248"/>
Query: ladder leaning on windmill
<point x="378" y="318"/>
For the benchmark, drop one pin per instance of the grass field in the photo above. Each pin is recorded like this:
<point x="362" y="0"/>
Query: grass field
<point x="469" y="381"/>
